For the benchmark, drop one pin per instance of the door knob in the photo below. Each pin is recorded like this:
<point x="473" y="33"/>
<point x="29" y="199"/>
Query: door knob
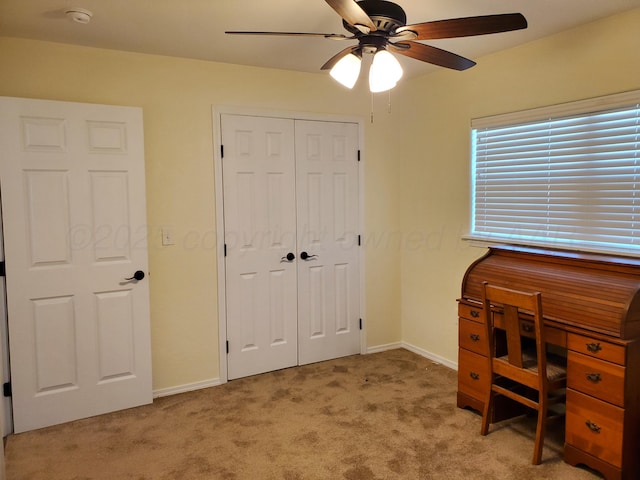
<point x="306" y="256"/>
<point x="139" y="275"/>
<point x="290" y="257"/>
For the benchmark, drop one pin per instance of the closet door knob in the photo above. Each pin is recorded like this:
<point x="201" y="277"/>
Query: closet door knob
<point x="290" y="257"/>
<point x="306" y="256"/>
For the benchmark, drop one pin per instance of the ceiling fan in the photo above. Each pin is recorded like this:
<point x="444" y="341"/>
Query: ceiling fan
<point x="380" y="25"/>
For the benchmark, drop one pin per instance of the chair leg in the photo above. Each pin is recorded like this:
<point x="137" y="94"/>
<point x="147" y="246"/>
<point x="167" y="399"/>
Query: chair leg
<point x="487" y="412"/>
<point x="540" y="432"/>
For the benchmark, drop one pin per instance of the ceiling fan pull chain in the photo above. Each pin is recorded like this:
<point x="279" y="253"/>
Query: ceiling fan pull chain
<point x="389" y="104"/>
<point x="371" y="107"/>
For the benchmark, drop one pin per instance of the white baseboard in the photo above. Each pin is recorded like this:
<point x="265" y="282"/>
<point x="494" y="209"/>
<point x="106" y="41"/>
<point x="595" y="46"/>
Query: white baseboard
<point x="165" y="392"/>
<point x="384" y="348"/>
<point x="414" y="349"/>
<point x="214" y="382"/>
<point x="430" y="356"/>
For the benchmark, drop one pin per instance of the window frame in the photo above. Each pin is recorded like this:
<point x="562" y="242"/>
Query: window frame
<point x="581" y="107"/>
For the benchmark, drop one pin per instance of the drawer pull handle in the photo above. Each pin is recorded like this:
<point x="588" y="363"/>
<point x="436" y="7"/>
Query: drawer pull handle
<point x="594" y="377"/>
<point x="592" y="426"/>
<point x="594" y="347"/>
<point x="475" y="337"/>
<point x="527" y="327"/>
<point x="474" y="375"/>
<point x="475" y="313"/>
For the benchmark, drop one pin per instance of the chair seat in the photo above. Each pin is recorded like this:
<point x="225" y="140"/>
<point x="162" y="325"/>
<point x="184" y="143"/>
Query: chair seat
<point x="556" y="364"/>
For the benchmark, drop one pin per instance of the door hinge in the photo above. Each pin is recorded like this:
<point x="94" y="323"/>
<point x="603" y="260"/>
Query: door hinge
<point x="6" y="389"/>
<point x="360" y="323"/>
<point x="359" y="240"/>
<point x="358" y="155"/>
<point x="3" y="271"/>
<point x="225" y="249"/>
<point x="227" y="346"/>
<point x="221" y="151"/>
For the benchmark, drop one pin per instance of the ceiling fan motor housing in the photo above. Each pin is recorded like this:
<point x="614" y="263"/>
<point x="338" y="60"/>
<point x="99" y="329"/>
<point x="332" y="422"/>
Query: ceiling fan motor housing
<point x="386" y="16"/>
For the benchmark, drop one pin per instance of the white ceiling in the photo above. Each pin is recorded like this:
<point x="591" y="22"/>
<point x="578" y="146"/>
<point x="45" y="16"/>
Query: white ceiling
<point x="195" y="28"/>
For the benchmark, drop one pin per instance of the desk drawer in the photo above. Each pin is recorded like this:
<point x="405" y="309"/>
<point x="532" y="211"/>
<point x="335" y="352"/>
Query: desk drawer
<point x="595" y="427"/>
<point x="473" y="374"/>
<point x="554" y="336"/>
<point x="596" y="348"/>
<point x="600" y="379"/>
<point x="470" y="313"/>
<point x="472" y="336"/>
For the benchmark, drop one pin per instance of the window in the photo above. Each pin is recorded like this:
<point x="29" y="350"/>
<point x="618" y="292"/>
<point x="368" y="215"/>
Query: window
<point x="566" y="176"/>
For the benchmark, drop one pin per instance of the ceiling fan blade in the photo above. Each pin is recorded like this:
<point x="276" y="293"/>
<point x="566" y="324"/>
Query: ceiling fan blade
<point x="336" y="58"/>
<point x="336" y="36"/>
<point x="434" y="55"/>
<point x="466" y="27"/>
<point x="353" y="14"/>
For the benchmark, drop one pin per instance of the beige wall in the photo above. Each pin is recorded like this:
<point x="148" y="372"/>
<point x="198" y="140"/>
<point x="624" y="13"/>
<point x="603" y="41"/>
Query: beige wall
<point x="176" y="96"/>
<point x="416" y="171"/>
<point x="595" y="59"/>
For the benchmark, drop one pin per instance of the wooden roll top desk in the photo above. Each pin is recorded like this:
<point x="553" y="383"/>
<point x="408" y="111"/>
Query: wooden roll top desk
<point x="591" y="307"/>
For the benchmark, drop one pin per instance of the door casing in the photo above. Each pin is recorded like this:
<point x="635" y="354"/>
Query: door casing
<point x="217" y="111"/>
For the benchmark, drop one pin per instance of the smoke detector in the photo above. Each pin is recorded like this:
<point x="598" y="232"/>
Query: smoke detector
<point x="79" y="15"/>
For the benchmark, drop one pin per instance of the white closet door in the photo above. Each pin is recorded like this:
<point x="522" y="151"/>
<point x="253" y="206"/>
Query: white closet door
<point x="260" y="231"/>
<point x="73" y="204"/>
<point x="327" y="211"/>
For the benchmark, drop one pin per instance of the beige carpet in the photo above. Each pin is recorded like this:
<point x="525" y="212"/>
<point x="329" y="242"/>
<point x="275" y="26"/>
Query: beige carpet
<point x="390" y="415"/>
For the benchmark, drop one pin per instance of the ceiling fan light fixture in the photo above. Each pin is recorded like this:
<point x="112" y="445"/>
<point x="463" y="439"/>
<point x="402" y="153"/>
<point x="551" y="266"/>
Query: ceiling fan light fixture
<point x="347" y="70"/>
<point x="385" y="72"/>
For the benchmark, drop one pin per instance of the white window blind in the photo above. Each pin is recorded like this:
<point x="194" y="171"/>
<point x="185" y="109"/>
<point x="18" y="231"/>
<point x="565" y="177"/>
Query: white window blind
<point x="567" y="180"/>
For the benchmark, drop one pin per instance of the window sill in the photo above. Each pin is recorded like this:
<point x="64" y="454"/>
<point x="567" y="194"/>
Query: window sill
<point x="487" y="241"/>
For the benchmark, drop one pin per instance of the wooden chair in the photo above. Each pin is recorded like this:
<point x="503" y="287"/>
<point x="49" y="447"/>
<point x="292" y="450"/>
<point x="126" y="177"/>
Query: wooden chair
<point x="526" y="375"/>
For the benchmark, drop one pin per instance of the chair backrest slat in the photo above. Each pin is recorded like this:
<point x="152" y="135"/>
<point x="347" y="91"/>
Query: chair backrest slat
<point x="514" y="340"/>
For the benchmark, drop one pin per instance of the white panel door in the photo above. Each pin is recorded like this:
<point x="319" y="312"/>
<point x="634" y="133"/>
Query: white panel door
<point x="73" y="200"/>
<point x="327" y="231"/>
<point x="260" y="231"/>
